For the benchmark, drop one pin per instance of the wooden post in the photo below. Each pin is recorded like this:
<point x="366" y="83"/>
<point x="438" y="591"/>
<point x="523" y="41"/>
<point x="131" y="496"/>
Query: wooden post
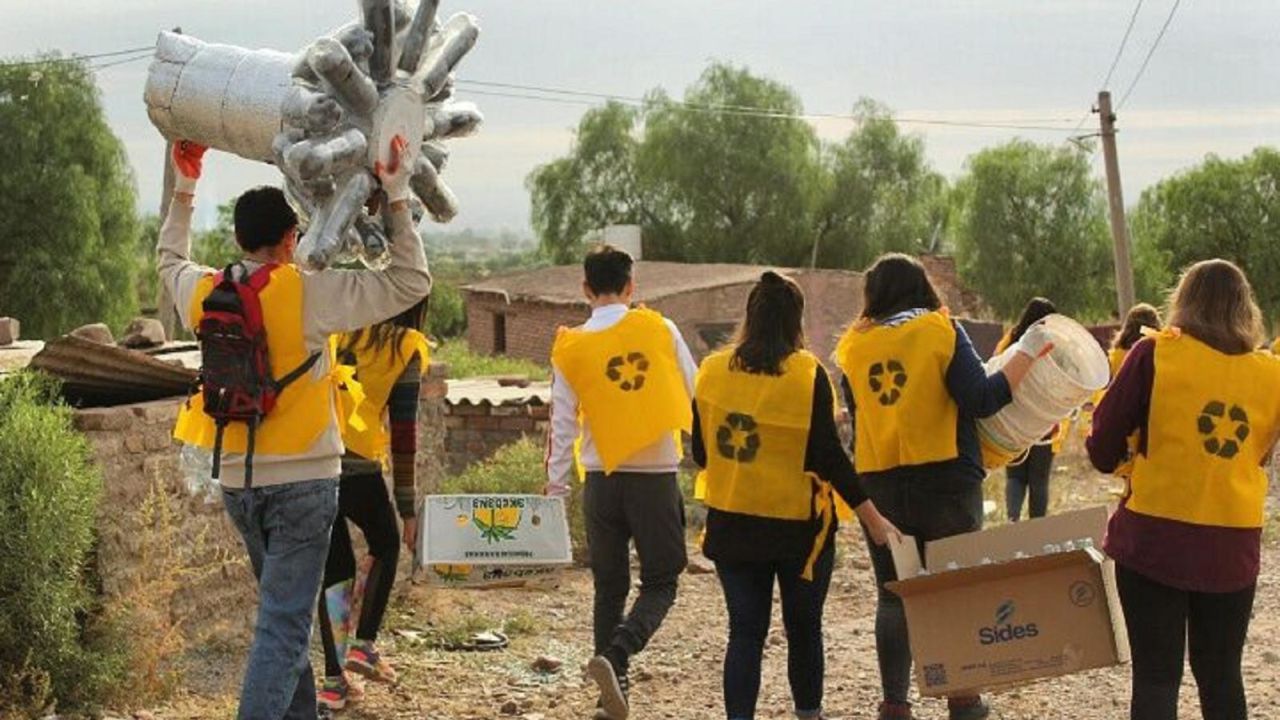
<point x="1115" y="199"/>
<point x="166" y="311"/>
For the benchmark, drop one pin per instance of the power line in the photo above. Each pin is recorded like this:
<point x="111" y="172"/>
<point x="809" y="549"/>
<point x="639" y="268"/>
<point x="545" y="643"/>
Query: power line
<point x="577" y="97"/>
<point x="1172" y="11"/>
<point x="76" y="58"/>
<point x="125" y="61"/>
<point x="1106" y="82"/>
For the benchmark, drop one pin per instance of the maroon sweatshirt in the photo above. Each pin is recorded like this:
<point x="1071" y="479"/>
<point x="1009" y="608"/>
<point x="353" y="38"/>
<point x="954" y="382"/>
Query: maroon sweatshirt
<point x="1198" y="558"/>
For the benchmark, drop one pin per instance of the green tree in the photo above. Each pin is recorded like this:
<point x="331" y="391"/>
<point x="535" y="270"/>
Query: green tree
<point x="1031" y="220"/>
<point x="881" y="194"/>
<point x="594" y="186"/>
<point x="735" y="186"/>
<point x="216" y="247"/>
<point x="67" y="198"/>
<point x="1222" y="208"/>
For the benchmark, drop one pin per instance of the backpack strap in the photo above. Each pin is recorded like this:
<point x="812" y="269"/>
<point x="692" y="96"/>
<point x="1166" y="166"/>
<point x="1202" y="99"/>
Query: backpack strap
<point x="297" y="372"/>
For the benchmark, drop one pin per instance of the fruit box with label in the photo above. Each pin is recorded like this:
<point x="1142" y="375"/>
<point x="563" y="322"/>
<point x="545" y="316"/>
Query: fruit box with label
<point x="1012" y="604"/>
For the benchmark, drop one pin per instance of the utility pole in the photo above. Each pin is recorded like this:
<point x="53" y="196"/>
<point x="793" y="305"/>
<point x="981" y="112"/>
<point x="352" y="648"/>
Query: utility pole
<point x="166" y="312"/>
<point x="1115" y="199"/>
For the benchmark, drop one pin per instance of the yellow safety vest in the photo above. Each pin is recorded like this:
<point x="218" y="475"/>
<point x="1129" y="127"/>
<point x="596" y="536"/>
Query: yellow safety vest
<point x="630" y="389"/>
<point x="903" y="414"/>
<point x="376" y="370"/>
<point x="304" y="409"/>
<point x="1212" y="421"/>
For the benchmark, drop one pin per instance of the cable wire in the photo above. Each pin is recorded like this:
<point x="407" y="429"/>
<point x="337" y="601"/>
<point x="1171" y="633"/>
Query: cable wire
<point x="1106" y="82"/>
<point x="76" y="58"/>
<point x="116" y="63"/>
<point x="1152" y="51"/>
<point x="586" y="98"/>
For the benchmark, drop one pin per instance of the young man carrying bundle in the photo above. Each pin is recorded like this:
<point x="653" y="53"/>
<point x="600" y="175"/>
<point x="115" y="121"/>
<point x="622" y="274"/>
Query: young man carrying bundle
<point x="267" y="404"/>
<point x="621" y="388"/>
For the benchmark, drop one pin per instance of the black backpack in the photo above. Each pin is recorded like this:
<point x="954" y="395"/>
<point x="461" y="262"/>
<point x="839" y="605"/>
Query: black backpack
<point x="235" y="370"/>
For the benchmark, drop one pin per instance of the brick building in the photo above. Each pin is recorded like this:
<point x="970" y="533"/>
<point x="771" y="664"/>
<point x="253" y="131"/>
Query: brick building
<point x="518" y="314"/>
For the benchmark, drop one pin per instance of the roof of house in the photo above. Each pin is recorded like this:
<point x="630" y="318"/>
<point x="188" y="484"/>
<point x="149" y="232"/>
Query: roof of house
<point x="562" y="284"/>
<point x="492" y="391"/>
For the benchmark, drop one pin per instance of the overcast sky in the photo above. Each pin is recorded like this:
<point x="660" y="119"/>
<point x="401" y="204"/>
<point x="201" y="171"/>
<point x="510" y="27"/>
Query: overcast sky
<point x="1212" y="87"/>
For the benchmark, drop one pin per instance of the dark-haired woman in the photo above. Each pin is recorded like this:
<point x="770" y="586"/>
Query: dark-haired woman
<point x="1141" y="317"/>
<point x="1186" y="539"/>
<point x="915" y="386"/>
<point x="1028" y="478"/>
<point x="764" y="431"/>
<point x="389" y="359"/>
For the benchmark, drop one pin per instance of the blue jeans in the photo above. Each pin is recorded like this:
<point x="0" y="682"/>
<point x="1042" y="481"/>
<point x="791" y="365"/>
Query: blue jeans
<point x="748" y="593"/>
<point x="286" y="533"/>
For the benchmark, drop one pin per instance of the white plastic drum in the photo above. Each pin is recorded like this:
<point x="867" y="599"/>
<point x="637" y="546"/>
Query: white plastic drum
<point x="1056" y="385"/>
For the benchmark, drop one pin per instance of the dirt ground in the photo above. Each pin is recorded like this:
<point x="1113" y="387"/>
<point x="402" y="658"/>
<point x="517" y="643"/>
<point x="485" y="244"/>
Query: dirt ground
<point x="679" y="675"/>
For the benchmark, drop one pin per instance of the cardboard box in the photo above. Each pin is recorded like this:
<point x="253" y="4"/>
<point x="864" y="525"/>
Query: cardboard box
<point x="1011" y="613"/>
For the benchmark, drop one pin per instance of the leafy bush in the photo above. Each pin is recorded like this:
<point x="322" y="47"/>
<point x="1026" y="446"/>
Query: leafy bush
<point x="50" y="641"/>
<point x="465" y="363"/>
<point x="447" y="316"/>
<point x="518" y="468"/>
<point x="515" y="468"/>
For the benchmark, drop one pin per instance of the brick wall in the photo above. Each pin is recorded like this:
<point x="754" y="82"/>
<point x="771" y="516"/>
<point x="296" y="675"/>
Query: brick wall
<point x="530" y="326"/>
<point x="475" y="432"/>
<point x="134" y="448"/>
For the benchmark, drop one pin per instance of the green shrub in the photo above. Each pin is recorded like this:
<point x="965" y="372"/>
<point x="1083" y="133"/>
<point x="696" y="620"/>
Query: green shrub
<point x="447" y="316"/>
<point x="515" y="468"/>
<point x="49" y="493"/>
<point x="465" y="363"/>
<point x="518" y="469"/>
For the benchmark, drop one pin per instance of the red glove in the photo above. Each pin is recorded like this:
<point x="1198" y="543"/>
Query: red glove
<point x="188" y="160"/>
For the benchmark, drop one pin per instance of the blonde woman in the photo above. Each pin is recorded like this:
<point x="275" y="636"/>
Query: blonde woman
<point x="1187" y="537"/>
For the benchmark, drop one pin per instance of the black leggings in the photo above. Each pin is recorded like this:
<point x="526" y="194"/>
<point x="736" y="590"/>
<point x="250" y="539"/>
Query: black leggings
<point x="363" y="500"/>
<point x="748" y="593"/>
<point x="1162" y="622"/>
<point x="1029" y="477"/>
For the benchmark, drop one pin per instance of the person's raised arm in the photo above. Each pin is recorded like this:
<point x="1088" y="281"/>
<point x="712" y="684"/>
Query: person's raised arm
<point x="346" y="300"/>
<point x="177" y="272"/>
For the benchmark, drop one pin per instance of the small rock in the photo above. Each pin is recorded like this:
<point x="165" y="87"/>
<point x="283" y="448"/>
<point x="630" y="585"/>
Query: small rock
<point x="143" y="333"/>
<point x="535" y="716"/>
<point x="143" y="715"/>
<point x="9" y="330"/>
<point x="510" y="707"/>
<point x="547" y="664"/>
<point x="699" y="565"/>
<point x="1270" y="657"/>
<point x="642" y="676"/>
<point x="96" y="332"/>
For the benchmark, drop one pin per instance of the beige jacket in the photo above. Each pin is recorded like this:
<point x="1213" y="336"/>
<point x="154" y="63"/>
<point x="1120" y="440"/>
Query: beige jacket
<point x="333" y="301"/>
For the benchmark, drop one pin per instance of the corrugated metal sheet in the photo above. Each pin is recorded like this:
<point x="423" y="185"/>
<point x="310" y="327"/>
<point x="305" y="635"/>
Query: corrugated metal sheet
<point x="489" y="391"/>
<point x="95" y="375"/>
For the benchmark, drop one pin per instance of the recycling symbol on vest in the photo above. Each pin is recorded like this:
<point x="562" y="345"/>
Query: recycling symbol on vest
<point x="736" y="424"/>
<point x="887" y="380"/>
<point x="627" y="372"/>
<point x="1223" y="429"/>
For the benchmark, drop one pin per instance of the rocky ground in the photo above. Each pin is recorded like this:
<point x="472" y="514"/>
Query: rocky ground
<point x="679" y="676"/>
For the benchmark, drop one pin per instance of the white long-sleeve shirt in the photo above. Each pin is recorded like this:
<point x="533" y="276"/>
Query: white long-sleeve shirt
<point x="660" y="457"/>
<point x="333" y="301"/>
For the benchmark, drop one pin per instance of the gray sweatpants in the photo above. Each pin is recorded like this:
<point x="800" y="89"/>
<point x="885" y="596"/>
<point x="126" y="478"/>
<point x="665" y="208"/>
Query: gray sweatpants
<point x="646" y="508"/>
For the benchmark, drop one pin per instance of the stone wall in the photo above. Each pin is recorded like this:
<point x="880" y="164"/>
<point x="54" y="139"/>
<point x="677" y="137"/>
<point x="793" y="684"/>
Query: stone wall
<point x="476" y="431"/>
<point x="199" y="552"/>
<point x="140" y="553"/>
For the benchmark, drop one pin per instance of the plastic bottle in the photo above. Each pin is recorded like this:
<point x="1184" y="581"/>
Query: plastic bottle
<point x="196" y="466"/>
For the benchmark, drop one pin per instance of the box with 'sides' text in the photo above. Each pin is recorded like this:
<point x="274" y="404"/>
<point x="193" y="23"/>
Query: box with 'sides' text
<point x="1008" y="612"/>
